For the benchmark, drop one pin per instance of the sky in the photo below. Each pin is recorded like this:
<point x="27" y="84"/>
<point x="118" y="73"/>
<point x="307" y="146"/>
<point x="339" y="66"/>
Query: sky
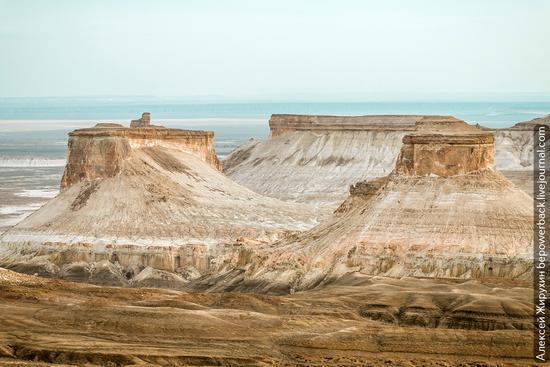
<point x="276" y="49"/>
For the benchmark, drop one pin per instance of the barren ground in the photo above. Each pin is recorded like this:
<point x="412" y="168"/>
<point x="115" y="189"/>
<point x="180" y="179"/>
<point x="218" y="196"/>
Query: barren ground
<point x="357" y="322"/>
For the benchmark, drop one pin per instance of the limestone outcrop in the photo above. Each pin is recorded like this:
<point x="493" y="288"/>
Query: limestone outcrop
<point x="443" y="212"/>
<point x="312" y="159"/>
<point x="281" y="123"/>
<point x="99" y="152"/>
<point x="161" y="213"/>
<point x="445" y="147"/>
<point x="143" y="197"/>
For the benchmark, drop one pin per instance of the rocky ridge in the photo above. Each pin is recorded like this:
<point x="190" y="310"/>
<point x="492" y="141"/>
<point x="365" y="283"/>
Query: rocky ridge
<point x="283" y="123"/>
<point x="144" y="199"/>
<point x="426" y="266"/>
<point x="315" y="158"/>
<point x="443" y="212"/>
<point x="168" y="218"/>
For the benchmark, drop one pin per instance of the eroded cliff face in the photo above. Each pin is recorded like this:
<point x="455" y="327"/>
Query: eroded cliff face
<point x="443" y="212"/>
<point x="445" y="156"/>
<point x="135" y="198"/>
<point x="313" y="158"/>
<point x="98" y="152"/>
<point x="281" y="123"/>
<point x="514" y="145"/>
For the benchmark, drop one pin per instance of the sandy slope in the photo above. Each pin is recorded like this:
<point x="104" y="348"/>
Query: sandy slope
<point x="470" y="226"/>
<point x="164" y="209"/>
<point x="164" y="193"/>
<point x="443" y="212"/>
<point x="314" y="166"/>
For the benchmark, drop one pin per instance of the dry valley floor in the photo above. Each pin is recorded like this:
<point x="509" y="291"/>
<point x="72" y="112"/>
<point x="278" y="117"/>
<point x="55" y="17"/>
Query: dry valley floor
<point x="359" y="321"/>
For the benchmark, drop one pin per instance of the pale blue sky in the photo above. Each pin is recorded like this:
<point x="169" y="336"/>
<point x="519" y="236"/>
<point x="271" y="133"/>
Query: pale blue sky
<point x="280" y="49"/>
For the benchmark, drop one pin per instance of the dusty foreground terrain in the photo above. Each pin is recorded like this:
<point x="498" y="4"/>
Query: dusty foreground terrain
<point x="356" y="322"/>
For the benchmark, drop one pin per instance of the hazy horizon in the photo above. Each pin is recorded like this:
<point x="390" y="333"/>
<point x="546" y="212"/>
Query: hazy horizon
<point x="208" y="99"/>
<point x="247" y="50"/>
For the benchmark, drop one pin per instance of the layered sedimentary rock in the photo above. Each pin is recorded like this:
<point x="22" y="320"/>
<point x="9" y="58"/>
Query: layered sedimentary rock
<point x="514" y="151"/>
<point x="514" y="145"/>
<point x="100" y="151"/>
<point x="443" y="212"/>
<point x="143" y="197"/>
<point x="445" y="147"/>
<point x="313" y="158"/>
<point x="280" y="123"/>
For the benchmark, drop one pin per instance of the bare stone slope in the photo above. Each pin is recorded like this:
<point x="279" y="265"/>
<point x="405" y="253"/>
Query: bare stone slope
<point x="314" y="158"/>
<point x="443" y="212"/>
<point x="142" y="198"/>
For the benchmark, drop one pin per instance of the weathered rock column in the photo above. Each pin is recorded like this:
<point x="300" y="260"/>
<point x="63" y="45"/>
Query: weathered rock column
<point x="445" y="147"/>
<point x="144" y="121"/>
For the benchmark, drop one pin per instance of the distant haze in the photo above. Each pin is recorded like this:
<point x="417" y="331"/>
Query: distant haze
<point x="276" y="49"/>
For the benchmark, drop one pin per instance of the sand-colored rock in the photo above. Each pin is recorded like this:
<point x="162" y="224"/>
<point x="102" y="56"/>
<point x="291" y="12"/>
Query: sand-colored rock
<point x="314" y="158"/>
<point x="154" y="214"/>
<point x="443" y="212"/>
<point x="99" y="152"/>
<point x="143" y="197"/>
<point x="281" y="123"/>
<point x="445" y="147"/>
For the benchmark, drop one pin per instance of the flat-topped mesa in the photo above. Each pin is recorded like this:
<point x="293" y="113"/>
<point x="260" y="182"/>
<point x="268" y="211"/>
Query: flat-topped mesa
<point x="100" y="151"/>
<point x="316" y="158"/>
<point x="140" y="198"/>
<point x="443" y="212"/>
<point x="445" y="146"/>
<point x="282" y="123"/>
